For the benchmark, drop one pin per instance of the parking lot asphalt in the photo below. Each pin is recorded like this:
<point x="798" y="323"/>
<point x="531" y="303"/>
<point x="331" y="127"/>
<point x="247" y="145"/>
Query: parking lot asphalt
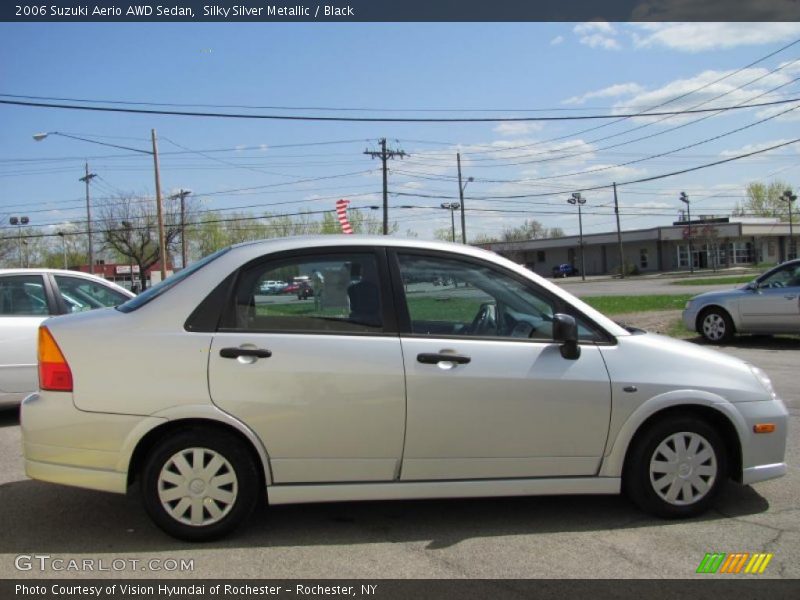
<point x="537" y="537"/>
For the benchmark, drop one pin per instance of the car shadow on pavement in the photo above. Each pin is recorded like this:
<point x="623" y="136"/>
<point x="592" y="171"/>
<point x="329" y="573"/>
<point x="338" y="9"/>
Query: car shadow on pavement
<point x="46" y="518"/>
<point x="9" y="416"/>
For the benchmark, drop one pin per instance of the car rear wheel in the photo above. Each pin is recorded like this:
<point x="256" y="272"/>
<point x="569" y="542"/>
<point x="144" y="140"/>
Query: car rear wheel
<point x="199" y="484"/>
<point x="716" y="326"/>
<point x="676" y="468"/>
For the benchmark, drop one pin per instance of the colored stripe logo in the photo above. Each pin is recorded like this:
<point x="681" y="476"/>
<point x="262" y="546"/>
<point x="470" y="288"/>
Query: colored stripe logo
<point x="734" y="563"/>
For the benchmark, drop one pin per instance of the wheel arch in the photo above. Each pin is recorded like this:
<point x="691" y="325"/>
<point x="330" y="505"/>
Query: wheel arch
<point x="220" y="422"/>
<point x="716" y="419"/>
<point x="715" y="410"/>
<point x="698" y="322"/>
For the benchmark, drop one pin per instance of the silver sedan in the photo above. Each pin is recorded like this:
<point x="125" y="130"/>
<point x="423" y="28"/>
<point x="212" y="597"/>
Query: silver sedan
<point x="385" y="386"/>
<point x="769" y="304"/>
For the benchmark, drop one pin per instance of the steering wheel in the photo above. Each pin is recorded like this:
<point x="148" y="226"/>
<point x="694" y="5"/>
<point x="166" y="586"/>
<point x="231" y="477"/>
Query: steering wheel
<point x="485" y="322"/>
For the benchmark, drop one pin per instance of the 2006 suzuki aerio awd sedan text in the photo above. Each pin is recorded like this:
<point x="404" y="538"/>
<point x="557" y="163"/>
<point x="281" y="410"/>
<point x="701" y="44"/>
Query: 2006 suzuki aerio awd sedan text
<point x="383" y="385"/>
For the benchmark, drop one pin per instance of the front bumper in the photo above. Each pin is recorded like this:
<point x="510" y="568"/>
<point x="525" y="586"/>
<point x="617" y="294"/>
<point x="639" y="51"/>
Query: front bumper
<point x="763" y="454"/>
<point x="689" y="318"/>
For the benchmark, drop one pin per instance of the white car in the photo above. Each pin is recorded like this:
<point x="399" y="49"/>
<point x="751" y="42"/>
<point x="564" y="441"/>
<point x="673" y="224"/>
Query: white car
<point x="28" y="297"/>
<point x="385" y="387"/>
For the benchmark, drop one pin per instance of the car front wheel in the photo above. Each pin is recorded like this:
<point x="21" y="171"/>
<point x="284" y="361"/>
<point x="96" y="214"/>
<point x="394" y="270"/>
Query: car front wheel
<point x="199" y="484"/>
<point x="716" y="326"/>
<point x="676" y="468"/>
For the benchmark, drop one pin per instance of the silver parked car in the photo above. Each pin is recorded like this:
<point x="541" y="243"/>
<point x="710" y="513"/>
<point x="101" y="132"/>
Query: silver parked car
<point x="28" y="297"/>
<point x="769" y="304"/>
<point x="386" y="386"/>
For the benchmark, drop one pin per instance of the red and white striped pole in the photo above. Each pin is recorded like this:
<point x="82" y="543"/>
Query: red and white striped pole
<point x="341" y="214"/>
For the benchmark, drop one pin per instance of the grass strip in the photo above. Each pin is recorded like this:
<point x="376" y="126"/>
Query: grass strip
<point x="715" y="280"/>
<point x="615" y="305"/>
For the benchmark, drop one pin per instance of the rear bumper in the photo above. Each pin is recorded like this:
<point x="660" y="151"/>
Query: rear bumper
<point x="93" y="479"/>
<point x="62" y="444"/>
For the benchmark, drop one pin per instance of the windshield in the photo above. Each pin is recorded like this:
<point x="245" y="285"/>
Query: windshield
<point x="168" y="283"/>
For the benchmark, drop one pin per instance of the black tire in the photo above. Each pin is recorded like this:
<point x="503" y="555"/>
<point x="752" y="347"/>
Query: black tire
<point x="226" y="516"/>
<point x="716" y="325"/>
<point x="646" y="460"/>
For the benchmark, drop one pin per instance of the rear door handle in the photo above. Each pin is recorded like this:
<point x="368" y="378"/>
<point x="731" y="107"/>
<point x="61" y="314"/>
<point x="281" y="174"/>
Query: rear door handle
<point x="434" y="359"/>
<point x="237" y="352"/>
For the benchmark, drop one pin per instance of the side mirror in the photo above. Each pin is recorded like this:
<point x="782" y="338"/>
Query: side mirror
<point x="752" y="286"/>
<point x="565" y="330"/>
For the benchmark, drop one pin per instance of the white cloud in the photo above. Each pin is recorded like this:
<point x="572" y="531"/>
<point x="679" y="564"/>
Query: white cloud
<point x="557" y="40"/>
<point x="712" y="88"/>
<point x="591" y="27"/>
<point x="746" y="149"/>
<point x="619" y="89"/>
<point x="597" y="34"/>
<point x="699" y="37"/>
<point x="517" y="128"/>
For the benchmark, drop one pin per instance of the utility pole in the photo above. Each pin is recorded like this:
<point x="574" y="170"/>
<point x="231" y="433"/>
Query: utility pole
<point x="182" y="195"/>
<point x="86" y="179"/>
<point x="162" y="246"/>
<point x="385" y="155"/>
<point x="685" y="199"/>
<point x="619" y="236"/>
<point x="62" y="235"/>
<point x="461" y="188"/>
<point x="789" y="197"/>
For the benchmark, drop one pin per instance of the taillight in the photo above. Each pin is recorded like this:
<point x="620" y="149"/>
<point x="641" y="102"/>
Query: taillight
<point x="54" y="372"/>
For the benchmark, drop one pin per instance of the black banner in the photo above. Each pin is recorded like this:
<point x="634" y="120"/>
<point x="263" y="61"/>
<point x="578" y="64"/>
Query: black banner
<point x="401" y="10"/>
<point x="703" y="588"/>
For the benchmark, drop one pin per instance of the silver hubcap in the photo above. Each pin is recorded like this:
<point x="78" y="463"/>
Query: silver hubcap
<point x="683" y="468"/>
<point x="197" y="486"/>
<point x="714" y="327"/>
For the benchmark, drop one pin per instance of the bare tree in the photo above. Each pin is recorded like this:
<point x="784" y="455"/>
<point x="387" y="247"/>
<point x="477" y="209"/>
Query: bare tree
<point x="130" y="228"/>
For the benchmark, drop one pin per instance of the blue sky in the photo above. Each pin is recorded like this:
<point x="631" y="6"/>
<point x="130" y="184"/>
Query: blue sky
<point x="413" y="69"/>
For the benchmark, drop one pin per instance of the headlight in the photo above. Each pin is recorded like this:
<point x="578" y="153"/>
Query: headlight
<point x="688" y="304"/>
<point x="765" y="381"/>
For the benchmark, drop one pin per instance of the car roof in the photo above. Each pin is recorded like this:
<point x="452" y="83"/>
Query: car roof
<point x="81" y="274"/>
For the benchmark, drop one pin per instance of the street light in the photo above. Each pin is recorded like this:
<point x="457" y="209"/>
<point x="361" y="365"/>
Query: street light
<point x="159" y="208"/>
<point x="685" y="200"/>
<point x="62" y="235"/>
<point x="128" y="226"/>
<point x="579" y="200"/>
<point x="182" y="195"/>
<point x="452" y="207"/>
<point x="19" y="222"/>
<point x="789" y="197"/>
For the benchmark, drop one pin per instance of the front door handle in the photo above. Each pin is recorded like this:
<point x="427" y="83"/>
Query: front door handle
<point x="237" y="352"/>
<point x="434" y="359"/>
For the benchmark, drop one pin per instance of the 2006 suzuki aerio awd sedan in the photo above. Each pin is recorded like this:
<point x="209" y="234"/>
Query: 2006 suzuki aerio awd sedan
<point x="382" y="385"/>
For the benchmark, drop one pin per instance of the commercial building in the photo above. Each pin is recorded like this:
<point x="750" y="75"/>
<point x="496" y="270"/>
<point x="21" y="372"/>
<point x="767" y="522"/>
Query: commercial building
<point x="717" y="242"/>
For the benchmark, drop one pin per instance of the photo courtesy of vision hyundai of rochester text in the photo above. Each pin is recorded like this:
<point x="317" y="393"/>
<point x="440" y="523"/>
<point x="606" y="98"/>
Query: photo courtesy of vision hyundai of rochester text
<point x="409" y="370"/>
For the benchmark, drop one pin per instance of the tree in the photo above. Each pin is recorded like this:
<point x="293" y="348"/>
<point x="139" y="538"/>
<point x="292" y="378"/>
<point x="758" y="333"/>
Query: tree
<point x="73" y="240"/>
<point x="129" y="227"/>
<point x="764" y="200"/>
<point x="529" y="230"/>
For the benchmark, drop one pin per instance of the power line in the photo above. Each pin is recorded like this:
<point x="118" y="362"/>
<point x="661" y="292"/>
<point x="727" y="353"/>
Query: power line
<point x="388" y="119"/>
